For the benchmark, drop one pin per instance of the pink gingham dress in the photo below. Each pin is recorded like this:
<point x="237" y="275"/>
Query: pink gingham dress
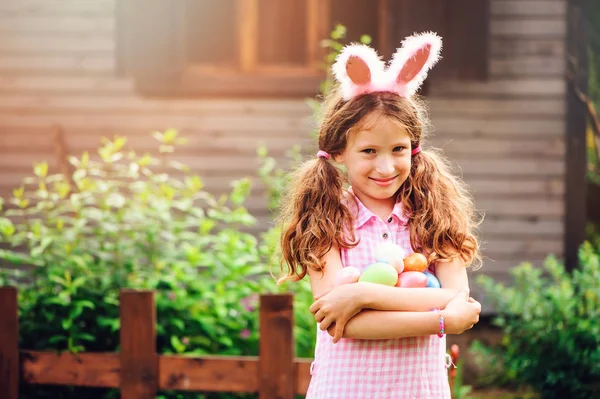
<point x="406" y="368"/>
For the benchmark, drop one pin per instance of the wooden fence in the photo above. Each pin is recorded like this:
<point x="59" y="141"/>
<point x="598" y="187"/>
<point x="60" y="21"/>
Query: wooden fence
<point x="138" y="371"/>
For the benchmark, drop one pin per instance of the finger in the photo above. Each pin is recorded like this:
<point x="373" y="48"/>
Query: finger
<point x="339" y="331"/>
<point x="331" y="329"/>
<point x="319" y="316"/>
<point x="475" y="309"/>
<point x="325" y="324"/>
<point x="314" y="307"/>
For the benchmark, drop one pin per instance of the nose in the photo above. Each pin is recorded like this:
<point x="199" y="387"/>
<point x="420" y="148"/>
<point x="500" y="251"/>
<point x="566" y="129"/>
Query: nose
<point x="384" y="165"/>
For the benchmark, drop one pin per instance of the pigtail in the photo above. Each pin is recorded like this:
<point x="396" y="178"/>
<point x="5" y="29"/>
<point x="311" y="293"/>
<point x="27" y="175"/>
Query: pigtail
<point x="314" y="216"/>
<point x="442" y="221"/>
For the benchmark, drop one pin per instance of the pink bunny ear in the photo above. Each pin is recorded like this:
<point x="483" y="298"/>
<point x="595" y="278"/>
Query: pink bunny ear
<point x="411" y="62"/>
<point x="357" y="68"/>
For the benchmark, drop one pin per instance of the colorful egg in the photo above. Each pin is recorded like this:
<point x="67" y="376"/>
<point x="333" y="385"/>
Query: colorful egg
<point x="432" y="281"/>
<point x="347" y="275"/>
<point x="391" y="253"/>
<point x="415" y="262"/>
<point x="412" y="279"/>
<point x="380" y="273"/>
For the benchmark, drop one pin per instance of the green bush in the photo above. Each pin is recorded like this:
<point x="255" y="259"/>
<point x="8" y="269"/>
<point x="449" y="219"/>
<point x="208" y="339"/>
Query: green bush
<point x="139" y="221"/>
<point x="550" y="320"/>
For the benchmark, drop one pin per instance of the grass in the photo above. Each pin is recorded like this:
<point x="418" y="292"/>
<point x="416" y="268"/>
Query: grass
<point x="496" y="393"/>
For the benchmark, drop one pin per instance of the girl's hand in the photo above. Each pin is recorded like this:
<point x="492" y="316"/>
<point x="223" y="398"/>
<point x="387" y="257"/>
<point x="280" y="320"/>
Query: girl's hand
<point x="461" y="313"/>
<point x="336" y="307"/>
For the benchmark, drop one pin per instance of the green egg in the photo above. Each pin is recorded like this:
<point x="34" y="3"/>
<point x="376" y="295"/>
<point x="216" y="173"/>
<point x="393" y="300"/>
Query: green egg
<point x="380" y="273"/>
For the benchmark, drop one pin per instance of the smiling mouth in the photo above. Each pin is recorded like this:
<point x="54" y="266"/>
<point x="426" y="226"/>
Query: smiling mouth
<point x="383" y="180"/>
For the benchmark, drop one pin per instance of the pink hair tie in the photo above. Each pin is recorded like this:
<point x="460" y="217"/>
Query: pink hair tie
<point x="416" y="150"/>
<point x="323" y="154"/>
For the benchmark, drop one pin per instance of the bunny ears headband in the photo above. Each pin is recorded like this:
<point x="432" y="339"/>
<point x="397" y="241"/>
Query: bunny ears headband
<point x="359" y="70"/>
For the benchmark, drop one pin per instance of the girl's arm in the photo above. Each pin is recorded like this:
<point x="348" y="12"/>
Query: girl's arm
<point x="342" y="303"/>
<point x="339" y="304"/>
<point x="381" y="297"/>
<point x="453" y="274"/>
<point x="460" y="315"/>
<point x="374" y="324"/>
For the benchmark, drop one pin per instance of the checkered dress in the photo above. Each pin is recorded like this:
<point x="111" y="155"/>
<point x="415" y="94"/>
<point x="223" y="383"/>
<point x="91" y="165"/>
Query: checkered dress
<point x="404" y="368"/>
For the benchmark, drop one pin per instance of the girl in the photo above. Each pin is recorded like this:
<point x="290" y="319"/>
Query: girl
<point x="376" y="341"/>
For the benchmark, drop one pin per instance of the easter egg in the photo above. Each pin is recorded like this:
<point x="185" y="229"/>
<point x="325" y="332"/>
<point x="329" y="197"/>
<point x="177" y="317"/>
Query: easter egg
<point x="415" y="263"/>
<point x="380" y="273"/>
<point x="432" y="281"/>
<point x="391" y="253"/>
<point x="412" y="279"/>
<point x="347" y="275"/>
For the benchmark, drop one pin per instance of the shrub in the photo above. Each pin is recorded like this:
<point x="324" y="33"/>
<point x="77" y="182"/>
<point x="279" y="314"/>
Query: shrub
<point x="551" y="324"/>
<point x="138" y="221"/>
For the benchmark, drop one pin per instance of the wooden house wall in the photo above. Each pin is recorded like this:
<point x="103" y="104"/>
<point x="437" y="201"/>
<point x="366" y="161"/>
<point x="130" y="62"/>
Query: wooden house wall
<point x="57" y="71"/>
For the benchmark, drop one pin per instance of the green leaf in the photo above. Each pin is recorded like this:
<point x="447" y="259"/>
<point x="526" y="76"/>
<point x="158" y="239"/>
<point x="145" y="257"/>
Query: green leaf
<point x="66" y="324"/>
<point x="169" y="136"/>
<point x="119" y="142"/>
<point x="179" y="324"/>
<point x="55" y="301"/>
<point x="79" y="174"/>
<point x="56" y="339"/>
<point x="178" y="347"/>
<point x="86" y="337"/>
<point x="112" y="323"/>
<point x="40" y="169"/>
<point x="18" y="192"/>
<point x="365" y="39"/>
<point x="241" y="189"/>
<point x="116" y="200"/>
<point x="225" y="340"/>
<point x="7" y="228"/>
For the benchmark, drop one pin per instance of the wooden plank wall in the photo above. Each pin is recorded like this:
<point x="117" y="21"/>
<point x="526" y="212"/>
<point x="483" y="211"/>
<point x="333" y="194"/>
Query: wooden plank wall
<point x="507" y="135"/>
<point x="57" y="71"/>
<point x="57" y="64"/>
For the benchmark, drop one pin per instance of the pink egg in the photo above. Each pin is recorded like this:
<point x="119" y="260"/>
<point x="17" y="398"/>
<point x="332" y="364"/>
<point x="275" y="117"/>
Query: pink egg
<point x="347" y="275"/>
<point x="412" y="280"/>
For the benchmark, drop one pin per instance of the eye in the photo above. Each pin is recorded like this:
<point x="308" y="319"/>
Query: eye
<point x="399" y="148"/>
<point x="368" y="151"/>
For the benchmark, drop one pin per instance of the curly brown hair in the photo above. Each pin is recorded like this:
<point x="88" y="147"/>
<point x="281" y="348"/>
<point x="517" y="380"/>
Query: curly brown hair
<point x="442" y="221"/>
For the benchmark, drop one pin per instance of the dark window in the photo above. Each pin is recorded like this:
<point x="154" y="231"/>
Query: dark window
<point x="272" y="47"/>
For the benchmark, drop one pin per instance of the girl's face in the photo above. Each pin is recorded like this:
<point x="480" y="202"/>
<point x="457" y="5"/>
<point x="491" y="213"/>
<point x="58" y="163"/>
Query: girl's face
<point x="377" y="158"/>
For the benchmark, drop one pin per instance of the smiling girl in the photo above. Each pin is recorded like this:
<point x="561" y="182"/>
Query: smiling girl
<point x="376" y="341"/>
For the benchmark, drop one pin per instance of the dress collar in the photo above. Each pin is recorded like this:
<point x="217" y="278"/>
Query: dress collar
<point x="362" y="214"/>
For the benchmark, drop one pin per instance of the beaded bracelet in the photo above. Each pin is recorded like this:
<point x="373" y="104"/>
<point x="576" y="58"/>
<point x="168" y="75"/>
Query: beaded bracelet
<point x="442" y="324"/>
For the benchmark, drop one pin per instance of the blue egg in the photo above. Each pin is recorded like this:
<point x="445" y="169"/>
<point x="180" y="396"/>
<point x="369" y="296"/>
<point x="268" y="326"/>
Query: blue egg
<point x="432" y="281"/>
